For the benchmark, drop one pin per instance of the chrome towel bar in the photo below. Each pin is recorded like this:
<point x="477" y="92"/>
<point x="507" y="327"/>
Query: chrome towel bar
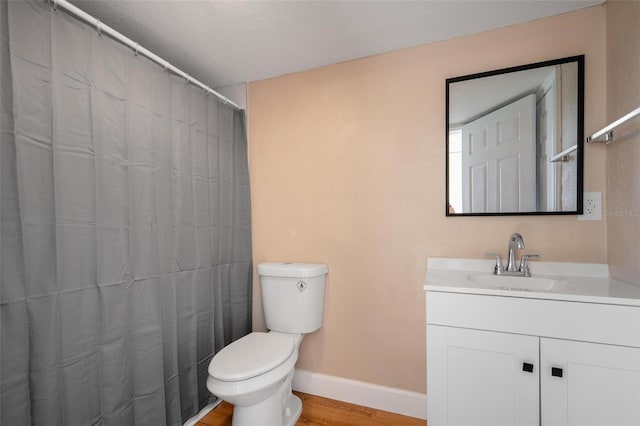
<point x="564" y="155"/>
<point x="606" y="134"/>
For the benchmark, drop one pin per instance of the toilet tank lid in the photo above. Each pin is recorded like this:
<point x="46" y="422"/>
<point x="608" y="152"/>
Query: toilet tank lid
<point x="289" y="269"/>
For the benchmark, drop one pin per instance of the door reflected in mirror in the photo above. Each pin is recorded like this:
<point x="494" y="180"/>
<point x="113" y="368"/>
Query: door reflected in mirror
<point x="514" y="140"/>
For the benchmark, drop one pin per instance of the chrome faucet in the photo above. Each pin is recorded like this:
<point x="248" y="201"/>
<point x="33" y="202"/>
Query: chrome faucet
<point x="516" y="242"/>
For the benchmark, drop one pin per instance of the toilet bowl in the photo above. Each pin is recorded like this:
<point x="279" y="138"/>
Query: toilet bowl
<point x="255" y="372"/>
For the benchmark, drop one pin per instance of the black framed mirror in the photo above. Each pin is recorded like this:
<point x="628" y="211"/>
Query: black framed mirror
<point x="514" y="140"/>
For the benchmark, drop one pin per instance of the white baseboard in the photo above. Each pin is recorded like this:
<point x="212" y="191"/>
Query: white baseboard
<point x="202" y="413"/>
<point x="384" y="398"/>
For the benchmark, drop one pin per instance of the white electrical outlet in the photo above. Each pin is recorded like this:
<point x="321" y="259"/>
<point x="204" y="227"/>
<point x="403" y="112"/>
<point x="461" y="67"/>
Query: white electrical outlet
<point x="592" y="206"/>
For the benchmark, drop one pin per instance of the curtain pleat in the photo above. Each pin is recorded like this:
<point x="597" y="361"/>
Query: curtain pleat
<point x="126" y="229"/>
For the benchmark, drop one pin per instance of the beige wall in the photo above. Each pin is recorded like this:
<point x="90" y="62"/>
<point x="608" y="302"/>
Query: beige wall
<point x="623" y="156"/>
<point x="347" y="167"/>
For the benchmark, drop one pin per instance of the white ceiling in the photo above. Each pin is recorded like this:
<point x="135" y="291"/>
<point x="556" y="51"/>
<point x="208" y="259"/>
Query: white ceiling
<point x="222" y="43"/>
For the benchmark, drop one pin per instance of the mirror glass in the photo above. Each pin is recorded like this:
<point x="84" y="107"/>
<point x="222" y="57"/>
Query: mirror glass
<point x="514" y="140"/>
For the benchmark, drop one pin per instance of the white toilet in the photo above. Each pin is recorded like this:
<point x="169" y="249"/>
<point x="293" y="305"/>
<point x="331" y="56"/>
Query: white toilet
<point x="254" y="373"/>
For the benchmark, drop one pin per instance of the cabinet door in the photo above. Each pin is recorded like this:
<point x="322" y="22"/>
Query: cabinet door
<point x="481" y="378"/>
<point x="594" y="384"/>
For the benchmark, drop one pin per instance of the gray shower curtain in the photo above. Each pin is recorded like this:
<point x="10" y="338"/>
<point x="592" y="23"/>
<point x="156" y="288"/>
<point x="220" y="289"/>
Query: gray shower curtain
<point x="125" y="233"/>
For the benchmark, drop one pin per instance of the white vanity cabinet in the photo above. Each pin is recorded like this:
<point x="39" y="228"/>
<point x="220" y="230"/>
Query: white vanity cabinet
<point x="600" y="383"/>
<point x="518" y="357"/>
<point x="475" y="377"/>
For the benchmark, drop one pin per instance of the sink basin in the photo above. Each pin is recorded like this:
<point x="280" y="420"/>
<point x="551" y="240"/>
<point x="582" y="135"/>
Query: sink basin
<point x="501" y="282"/>
<point x="576" y="282"/>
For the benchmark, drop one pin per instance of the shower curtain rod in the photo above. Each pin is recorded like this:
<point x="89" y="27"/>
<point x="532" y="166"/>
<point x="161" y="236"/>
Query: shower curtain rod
<point x="102" y="28"/>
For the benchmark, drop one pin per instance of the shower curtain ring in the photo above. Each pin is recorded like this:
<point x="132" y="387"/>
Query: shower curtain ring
<point x="136" y="49"/>
<point x="54" y="4"/>
<point x="99" y="27"/>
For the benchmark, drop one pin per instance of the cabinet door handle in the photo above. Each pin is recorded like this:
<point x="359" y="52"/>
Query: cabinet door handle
<point x="528" y="367"/>
<point x="556" y="372"/>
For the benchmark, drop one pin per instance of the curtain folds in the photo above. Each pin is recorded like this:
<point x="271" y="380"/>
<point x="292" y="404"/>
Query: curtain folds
<point x="125" y="233"/>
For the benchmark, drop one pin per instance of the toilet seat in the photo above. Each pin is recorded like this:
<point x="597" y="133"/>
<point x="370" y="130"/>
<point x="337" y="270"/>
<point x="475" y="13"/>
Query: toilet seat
<point x="252" y="355"/>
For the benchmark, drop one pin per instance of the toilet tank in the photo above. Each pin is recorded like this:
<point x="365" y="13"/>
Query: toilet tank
<point x="293" y="296"/>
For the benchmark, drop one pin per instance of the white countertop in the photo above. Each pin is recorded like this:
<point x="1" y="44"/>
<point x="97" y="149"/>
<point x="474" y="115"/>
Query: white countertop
<point x="578" y="282"/>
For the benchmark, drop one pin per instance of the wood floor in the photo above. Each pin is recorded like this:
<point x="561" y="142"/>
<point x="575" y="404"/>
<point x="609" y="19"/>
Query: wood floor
<point x="319" y="411"/>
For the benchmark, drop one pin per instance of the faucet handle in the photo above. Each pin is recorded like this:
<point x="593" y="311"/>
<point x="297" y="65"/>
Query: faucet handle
<point x="524" y="265"/>
<point x="499" y="268"/>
